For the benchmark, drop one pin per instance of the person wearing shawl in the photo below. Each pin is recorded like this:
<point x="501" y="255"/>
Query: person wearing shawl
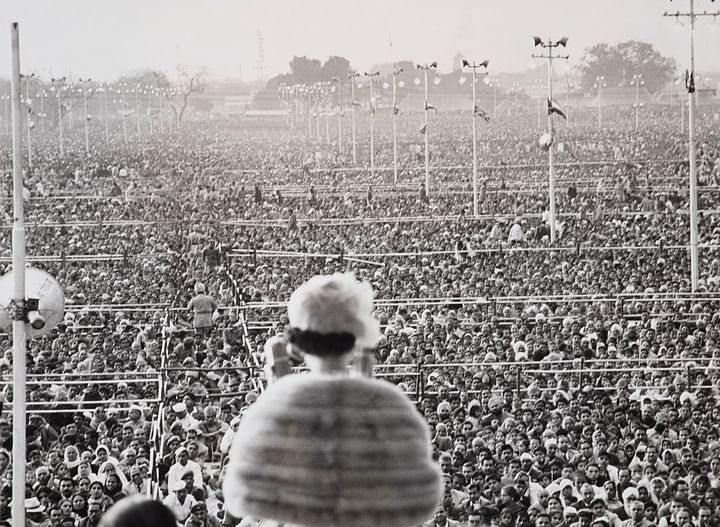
<point x="110" y="467"/>
<point x="71" y="458"/>
<point x="102" y="454"/>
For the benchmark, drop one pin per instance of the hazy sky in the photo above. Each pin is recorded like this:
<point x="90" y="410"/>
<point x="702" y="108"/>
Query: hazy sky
<point x="103" y="39"/>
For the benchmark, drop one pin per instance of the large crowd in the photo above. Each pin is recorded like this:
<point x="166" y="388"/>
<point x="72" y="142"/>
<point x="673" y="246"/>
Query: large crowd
<point x="567" y="383"/>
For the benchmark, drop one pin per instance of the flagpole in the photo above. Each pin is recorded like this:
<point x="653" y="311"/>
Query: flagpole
<point x="694" y="271"/>
<point x="474" y="66"/>
<point x="372" y="122"/>
<point x="107" y="125"/>
<point x="394" y="121"/>
<point x="425" y="69"/>
<point x="352" y="115"/>
<point x="29" y="114"/>
<point x="18" y="267"/>
<point x="338" y="84"/>
<point x="551" y="128"/>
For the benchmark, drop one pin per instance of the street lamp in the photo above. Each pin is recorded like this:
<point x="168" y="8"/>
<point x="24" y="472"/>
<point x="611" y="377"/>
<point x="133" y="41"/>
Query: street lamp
<point x="549" y="46"/>
<point x="425" y="68"/>
<point x="336" y="89"/>
<point x="84" y="83"/>
<point x="59" y="86"/>
<point x="474" y="66"/>
<point x="137" y="108"/>
<point x="599" y="84"/>
<point x="395" y="112"/>
<point x="28" y="103"/>
<point x="352" y="76"/>
<point x="493" y="82"/>
<point x="372" y="121"/>
<point x="637" y="79"/>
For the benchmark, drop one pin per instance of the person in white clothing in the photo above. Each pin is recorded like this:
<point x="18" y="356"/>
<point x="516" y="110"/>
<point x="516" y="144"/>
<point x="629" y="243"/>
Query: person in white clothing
<point x="179" y="502"/>
<point x="183" y="464"/>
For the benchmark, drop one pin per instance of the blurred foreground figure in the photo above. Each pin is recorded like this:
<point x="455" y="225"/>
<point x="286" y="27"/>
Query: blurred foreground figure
<point x="138" y="511"/>
<point x="325" y="449"/>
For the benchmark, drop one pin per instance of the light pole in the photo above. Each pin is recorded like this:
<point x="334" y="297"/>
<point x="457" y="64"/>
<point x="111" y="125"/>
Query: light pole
<point x="58" y="86"/>
<point x="395" y="112"/>
<point x="515" y="88"/>
<point x="124" y="111"/>
<point x="84" y="83"/>
<point x="137" y="109"/>
<point x="492" y="81"/>
<point x="599" y="84"/>
<point x="425" y="68"/>
<point x="372" y="120"/>
<point x="474" y="66"/>
<point x="352" y="77"/>
<point x="637" y="79"/>
<point x="105" y="90"/>
<point x="336" y="88"/>
<point x="43" y="94"/>
<point x="690" y="85"/>
<point x="549" y="46"/>
<point x="29" y="112"/>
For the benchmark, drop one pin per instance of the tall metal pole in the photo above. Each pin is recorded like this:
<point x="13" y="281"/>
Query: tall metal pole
<point x="637" y="102"/>
<point x="352" y="115"/>
<point x="600" y="87"/>
<point x="107" y="124"/>
<point x="6" y="98"/>
<point x="551" y="165"/>
<point x="427" y="142"/>
<point x="694" y="270"/>
<point x="42" y="111"/>
<point x="60" y="122"/>
<point x="372" y="122"/>
<point x="125" y="137"/>
<point x="18" y="258"/>
<point x="309" y="112"/>
<point x="425" y="68"/>
<point x="693" y="164"/>
<point x="394" y="123"/>
<point x="137" y="110"/>
<point x="29" y="115"/>
<point x="474" y="66"/>
<point x="551" y="126"/>
<point x="317" y="112"/>
<point x="340" y="115"/>
<point x="476" y="210"/>
<point x="87" y="132"/>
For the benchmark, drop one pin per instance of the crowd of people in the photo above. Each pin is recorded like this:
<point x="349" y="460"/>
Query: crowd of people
<point x="566" y="383"/>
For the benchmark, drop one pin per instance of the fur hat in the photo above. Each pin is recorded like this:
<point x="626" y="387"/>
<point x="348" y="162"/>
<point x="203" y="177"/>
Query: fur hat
<point x="334" y="304"/>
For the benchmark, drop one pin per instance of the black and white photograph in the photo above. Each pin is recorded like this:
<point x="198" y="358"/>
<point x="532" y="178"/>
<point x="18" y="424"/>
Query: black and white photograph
<point x="403" y="263"/>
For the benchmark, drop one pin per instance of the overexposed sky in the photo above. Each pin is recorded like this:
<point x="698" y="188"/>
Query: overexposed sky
<point x="104" y="39"/>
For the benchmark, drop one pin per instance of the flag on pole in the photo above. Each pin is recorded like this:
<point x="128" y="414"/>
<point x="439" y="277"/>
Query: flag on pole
<point x="396" y="110"/>
<point x="481" y="113"/>
<point x="429" y="106"/>
<point x="554" y="108"/>
<point x="690" y="81"/>
<point x="423" y="130"/>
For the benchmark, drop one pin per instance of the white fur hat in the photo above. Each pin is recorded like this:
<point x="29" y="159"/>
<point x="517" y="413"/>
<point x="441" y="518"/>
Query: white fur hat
<point x="335" y="303"/>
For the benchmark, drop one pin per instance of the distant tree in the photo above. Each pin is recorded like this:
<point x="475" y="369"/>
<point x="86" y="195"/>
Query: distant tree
<point x="189" y="81"/>
<point x="620" y="62"/>
<point x="305" y="70"/>
<point x="335" y="66"/>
